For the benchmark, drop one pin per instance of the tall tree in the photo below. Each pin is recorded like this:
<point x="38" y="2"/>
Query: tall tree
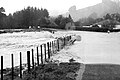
<point x="2" y="15"/>
<point x="2" y="10"/>
<point x="29" y="16"/>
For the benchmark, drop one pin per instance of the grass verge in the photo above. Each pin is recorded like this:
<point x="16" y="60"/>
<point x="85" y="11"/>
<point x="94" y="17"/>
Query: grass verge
<point x="65" y="71"/>
<point x="101" y="72"/>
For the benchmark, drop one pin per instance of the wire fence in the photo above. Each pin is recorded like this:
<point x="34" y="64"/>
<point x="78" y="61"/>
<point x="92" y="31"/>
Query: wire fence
<point x="44" y="53"/>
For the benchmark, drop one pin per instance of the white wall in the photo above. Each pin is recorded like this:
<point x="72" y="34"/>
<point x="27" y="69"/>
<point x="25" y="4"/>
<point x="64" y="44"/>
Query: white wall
<point x="117" y="26"/>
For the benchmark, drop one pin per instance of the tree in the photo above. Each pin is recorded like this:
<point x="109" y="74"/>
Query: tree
<point x="77" y="23"/>
<point x="46" y="14"/>
<point x="58" y="19"/>
<point x="61" y="21"/>
<point x="2" y="16"/>
<point x="2" y="10"/>
<point x="87" y="21"/>
<point x="107" y="16"/>
<point x="99" y="19"/>
<point x="29" y="16"/>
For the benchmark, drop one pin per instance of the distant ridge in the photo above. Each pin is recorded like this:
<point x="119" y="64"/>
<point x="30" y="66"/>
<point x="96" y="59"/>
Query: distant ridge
<point x="95" y="11"/>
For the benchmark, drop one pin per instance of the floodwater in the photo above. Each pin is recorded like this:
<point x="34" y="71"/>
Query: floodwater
<point x="94" y="47"/>
<point x="14" y="43"/>
<point x="97" y="48"/>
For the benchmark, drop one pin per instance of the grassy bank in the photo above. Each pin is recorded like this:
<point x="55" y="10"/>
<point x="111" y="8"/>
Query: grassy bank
<point x="101" y="72"/>
<point x="63" y="71"/>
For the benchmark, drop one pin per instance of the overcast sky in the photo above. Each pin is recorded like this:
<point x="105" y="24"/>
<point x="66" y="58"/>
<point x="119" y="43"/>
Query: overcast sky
<point x="54" y="7"/>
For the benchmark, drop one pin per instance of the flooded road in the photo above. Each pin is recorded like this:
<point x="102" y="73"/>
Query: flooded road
<point x="93" y="48"/>
<point x="98" y="47"/>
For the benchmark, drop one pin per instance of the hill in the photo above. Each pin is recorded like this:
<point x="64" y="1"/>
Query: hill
<point x="95" y="11"/>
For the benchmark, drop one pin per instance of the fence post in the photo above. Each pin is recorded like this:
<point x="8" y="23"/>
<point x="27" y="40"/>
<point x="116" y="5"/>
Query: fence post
<point x="1" y="67"/>
<point x="67" y="40"/>
<point x="45" y="51"/>
<point x="20" y="65"/>
<point x="53" y="47"/>
<point x="48" y="50"/>
<point x="12" y="66"/>
<point x="37" y="57"/>
<point x="64" y="41"/>
<point x="41" y="55"/>
<point x="70" y="36"/>
<point x="32" y="59"/>
<point x="58" y="44"/>
<point x="28" y="60"/>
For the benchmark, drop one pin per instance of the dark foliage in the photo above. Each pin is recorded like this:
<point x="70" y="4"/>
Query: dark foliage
<point x="23" y="19"/>
<point x="61" y="21"/>
<point x="53" y="72"/>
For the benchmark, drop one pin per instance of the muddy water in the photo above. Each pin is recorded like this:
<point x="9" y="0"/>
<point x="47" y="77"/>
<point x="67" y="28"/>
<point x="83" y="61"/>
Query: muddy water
<point x="97" y="47"/>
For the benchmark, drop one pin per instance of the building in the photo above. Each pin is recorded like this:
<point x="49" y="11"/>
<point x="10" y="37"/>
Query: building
<point x="108" y="23"/>
<point x="117" y="27"/>
<point x="70" y="25"/>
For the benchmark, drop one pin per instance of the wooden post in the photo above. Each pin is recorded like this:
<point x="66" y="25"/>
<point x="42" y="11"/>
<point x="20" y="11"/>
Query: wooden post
<point x="1" y="67"/>
<point x="20" y="65"/>
<point x="58" y="44"/>
<point x="48" y="50"/>
<point x="70" y="36"/>
<point x="64" y="41"/>
<point x="28" y="60"/>
<point x="37" y="57"/>
<point x="32" y="58"/>
<point x="41" y="55"/>
<point x="45" y="51"/>
<point x="12" y="66"/>
<point x="61" y="43"/>
<point x="53" y="47"/>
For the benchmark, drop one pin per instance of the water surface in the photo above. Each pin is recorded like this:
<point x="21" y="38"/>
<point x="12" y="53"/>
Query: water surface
<point x="98" y="47"/>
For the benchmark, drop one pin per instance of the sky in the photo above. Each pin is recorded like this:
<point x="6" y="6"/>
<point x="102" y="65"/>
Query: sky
<point x="54" y="7"/>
